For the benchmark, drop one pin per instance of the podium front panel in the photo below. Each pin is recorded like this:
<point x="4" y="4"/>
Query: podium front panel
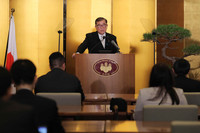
<point x="106" y="73"/>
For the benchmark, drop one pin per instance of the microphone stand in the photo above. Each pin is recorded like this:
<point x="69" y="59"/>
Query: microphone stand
<point x="59" y="32"/>
<point x="154" y="46"/>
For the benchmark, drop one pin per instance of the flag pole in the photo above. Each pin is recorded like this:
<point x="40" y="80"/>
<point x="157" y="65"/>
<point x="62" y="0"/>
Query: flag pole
<point x="12" y="11"/>
<point x="6" y="53"/>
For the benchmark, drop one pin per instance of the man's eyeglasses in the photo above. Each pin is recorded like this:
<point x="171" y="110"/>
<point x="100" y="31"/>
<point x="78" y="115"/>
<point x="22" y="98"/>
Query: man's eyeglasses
<point x="103" y="26"/>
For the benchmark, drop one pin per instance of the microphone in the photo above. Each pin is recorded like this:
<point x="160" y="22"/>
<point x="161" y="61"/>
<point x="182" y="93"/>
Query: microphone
<point x="114" y="44"/>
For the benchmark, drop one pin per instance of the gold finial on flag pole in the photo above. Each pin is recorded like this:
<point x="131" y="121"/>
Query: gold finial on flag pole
<point x="12" y="10"/>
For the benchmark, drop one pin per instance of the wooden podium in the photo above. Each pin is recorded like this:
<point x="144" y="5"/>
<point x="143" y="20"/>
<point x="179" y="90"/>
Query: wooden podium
<point x="106" y="73"/>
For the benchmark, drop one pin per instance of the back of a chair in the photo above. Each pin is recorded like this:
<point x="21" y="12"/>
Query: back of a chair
<point x="70" y="99"/>
<point x="185" y="127"/>
<point x="193" y="98"/>
<point x="170" y="112"/>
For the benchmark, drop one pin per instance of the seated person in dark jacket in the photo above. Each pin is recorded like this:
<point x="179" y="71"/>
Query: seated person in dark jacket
<point x="58" y="80"/>
<point x="99" y="41"/>
<point x="23" y="73"/>
<point x="14" y="117"/>
<point x="181" y="68"/>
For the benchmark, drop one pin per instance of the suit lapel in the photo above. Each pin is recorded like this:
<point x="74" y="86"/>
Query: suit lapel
<point x="107" y="41"/>
<point x="99" y="41"/>
<point x="97" y="37"/>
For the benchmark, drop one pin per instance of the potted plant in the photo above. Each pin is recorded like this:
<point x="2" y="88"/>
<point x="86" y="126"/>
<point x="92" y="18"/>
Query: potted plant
<point x="166" y="34"/>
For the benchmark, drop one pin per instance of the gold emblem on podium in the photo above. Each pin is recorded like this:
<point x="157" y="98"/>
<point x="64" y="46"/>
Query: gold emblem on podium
<point x="106" y="67"/>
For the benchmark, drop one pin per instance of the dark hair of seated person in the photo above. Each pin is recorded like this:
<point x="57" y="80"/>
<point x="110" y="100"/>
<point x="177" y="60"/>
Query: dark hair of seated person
<point x="181" y="67"/>
<point x="23" y="71"/>
<point x="56" y="59"/>
<point x="5" y="81"/>
<point x="161" y="76"/>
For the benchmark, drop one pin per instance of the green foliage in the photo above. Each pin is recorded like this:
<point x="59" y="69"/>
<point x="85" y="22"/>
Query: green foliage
<point x="192" y="49"/>
<point x="169" y="32"/>
<point x="147" y="36"/>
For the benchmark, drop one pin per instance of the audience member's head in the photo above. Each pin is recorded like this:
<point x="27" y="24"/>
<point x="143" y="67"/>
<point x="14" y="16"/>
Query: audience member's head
<point x="5" y="82"/>
<point x="181" y="67"/>
<point x="23" y="72"/>
<point x="161" y="76"/>
<point x="57" y="60"/>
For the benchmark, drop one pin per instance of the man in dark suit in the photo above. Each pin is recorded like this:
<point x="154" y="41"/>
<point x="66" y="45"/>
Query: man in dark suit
<point x="23" y="73"/>
<point x="181" y="68"/>
<point x="99" y="41"/>
<point x="58" y="80"/>
<point x="14" y="117"/>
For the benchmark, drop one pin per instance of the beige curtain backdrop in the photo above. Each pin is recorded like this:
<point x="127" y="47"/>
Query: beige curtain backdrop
<point x="37" y="23"/>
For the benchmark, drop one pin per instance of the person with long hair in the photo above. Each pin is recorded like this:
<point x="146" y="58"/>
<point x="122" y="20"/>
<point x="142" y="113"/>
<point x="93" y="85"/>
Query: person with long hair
<point x="160" y="91"/>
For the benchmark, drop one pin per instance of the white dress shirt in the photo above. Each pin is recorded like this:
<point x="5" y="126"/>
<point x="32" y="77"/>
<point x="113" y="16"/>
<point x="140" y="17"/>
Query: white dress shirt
<point x="103" y="40"/>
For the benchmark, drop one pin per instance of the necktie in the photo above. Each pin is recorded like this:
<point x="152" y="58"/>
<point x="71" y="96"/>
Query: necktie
<point x="103" y="41"/>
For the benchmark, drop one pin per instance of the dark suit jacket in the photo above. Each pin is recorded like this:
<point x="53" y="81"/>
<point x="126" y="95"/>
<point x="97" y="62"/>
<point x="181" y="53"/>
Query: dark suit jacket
<point x="16" y="118"/>
<point x="188" y="85"/>
<point x="58" y="80"/>
<point x="45" y="109"/>
<point x="94" y="45"/>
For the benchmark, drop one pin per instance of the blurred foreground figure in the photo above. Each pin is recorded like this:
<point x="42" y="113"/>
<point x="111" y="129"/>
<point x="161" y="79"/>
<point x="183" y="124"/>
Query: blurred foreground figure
<point x="14" y="117"/>
<point x="23" y="73"/>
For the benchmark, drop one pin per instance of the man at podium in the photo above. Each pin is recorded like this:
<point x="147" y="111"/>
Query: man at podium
<point x="99" y="41"/>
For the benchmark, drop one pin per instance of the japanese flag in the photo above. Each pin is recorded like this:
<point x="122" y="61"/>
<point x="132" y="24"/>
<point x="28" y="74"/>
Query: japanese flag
<point x="11" y="48"/>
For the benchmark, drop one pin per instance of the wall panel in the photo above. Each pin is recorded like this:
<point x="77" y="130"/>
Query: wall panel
<point x="170" y="12"/>
<point x="191" y="20"/>
<point x="26" y="27"/>
<point x="37" y="23"/>
<point x="131" y="18"/>
<point x="4" y="26"/>
<point x="50" y="20"/>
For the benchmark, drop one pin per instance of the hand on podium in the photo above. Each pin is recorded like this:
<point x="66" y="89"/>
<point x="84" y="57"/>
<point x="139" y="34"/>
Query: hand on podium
<point x="74" y="54"/>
